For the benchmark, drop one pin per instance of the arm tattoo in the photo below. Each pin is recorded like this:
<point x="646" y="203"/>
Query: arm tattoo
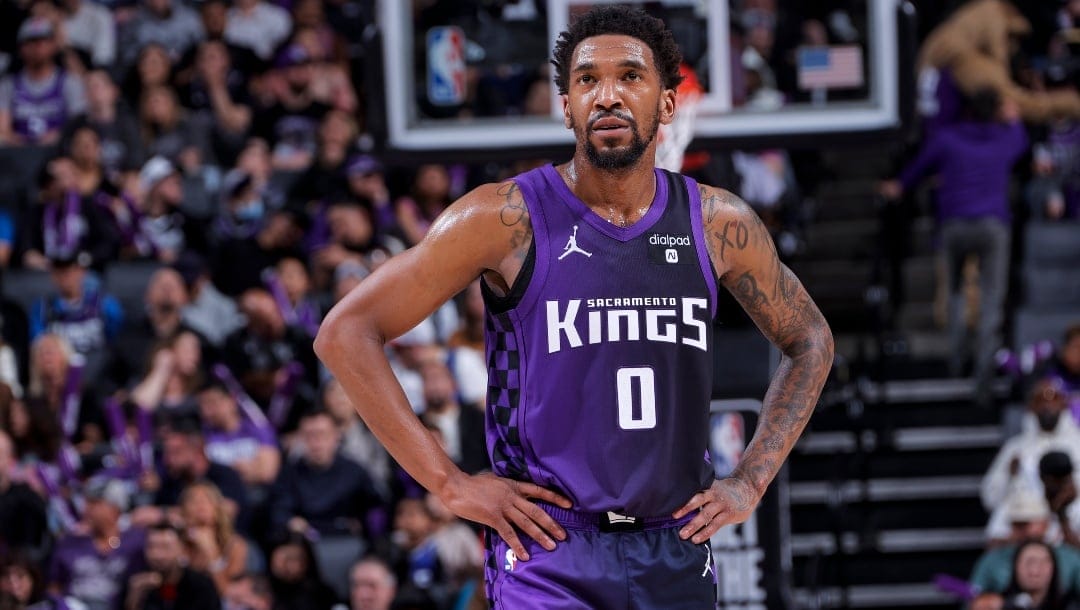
<point x="515" y="216"/>
<point x="772" y="295"/>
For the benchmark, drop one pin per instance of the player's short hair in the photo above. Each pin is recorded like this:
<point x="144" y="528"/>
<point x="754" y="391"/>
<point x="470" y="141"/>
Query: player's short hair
<point x="625" y="21"/>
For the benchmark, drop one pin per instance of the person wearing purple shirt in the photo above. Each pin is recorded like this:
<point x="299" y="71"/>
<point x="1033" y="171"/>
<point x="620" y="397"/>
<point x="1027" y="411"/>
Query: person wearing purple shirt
<point x="92" y="567"/>
<point x="601" y="277"/>
<point x="234" y="439"/>
<point x="973" y="160"/>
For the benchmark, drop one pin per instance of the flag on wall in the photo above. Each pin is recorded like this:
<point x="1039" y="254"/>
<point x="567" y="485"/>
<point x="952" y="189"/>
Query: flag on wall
<point x="838" y="67"/>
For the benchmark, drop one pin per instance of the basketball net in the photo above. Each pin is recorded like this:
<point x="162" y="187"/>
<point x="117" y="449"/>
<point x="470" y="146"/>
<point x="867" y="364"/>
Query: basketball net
<point x="672" y="139"/>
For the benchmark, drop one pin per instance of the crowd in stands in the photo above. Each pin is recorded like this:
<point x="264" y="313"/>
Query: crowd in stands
<point x="182" y="447"/>
<point x="998" y="85"/>
<point x="185" y="449"/>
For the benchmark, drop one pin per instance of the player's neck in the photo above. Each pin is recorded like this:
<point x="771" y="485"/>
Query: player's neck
<point x="604" y="190"/>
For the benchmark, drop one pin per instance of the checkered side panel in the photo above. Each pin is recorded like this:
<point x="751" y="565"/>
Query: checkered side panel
<point x="504" y="397"/>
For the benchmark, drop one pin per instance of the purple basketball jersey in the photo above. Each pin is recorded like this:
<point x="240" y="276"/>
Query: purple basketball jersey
<point x="600" y="374"/>
<point x="35" y="114"/>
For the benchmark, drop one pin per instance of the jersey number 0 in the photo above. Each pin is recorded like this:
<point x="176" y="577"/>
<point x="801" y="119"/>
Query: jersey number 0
<point x="637" y="410"/>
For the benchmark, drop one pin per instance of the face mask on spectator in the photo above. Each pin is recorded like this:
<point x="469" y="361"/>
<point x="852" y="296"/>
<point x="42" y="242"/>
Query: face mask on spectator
<point x="251" y="209"/>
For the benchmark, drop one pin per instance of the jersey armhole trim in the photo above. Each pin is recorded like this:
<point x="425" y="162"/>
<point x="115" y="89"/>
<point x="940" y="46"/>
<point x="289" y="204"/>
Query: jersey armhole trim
<point x="501" y="304"/>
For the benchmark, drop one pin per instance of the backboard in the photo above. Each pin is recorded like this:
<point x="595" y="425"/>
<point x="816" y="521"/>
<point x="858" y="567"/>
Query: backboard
<point x="461" y="76"/>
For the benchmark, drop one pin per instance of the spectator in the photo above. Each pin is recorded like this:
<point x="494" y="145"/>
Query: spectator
<point x="84" y="150"/>
<point x="459" y="548"/>
<point x="211" y="314"/>
<point x="973" y="160"/>
<point x="1029" y="519"/>
<point x="153" y="68"/>
<point x="89" y="28"/>
<point x="241" y="260"/>
<point x="184" y="461"/>
<point x="461" y="426"/>
<point x="323" y="490"/>
<point x="1017" y="463"/>
<point x="79" y="311"/>
<point x="310" y="16"/>
<point x="215" y="18"/>
<point x="1036" y="579"/>
<point x="169" y="582"/>
<point x="99" y="191"/>
<point x="332" y="80"/>
<point x="353" y="239"/>
<point x="1054" y="191"/>
<point x="294" y="577"/>
<point x="23" y="587"/>
<point x="169" y="132"/>
<point x="34" y="431"/>
<point x="121" y="146"/>
<point x="23" y="527"/>
<point x="60" y="225"/>
<point x="429" y="197"/>
<point x="174" y="376"/>
<point x="417" y="563"/>
<point x="372" y="585"/>
<point x="233" y="439"/>
<point x="166" y="227"/>
<point x="255" y="161"/>
<point x="217" y="94"/>
<point x="267" y="351"/>
<point x="251" y="591"/>
<point x="1065" y="367"/>
<point x="37" y="101"/>
<point x="242" y="211"/>
<point x="169" y="23"/>
<point x="325" y="178"/>
<point x="257" y="25"/>
<point x="57" y="377"/>
<point x="358" y="443"/>
<point x="291" y="113"/>
<point x="160" y="321"/>
<point x="290" y="284"/>
<point x="1059" y="488"/>
<point x="213" y="546"/>
<point x="364" y="176"/>
<point x="92" y="567"/>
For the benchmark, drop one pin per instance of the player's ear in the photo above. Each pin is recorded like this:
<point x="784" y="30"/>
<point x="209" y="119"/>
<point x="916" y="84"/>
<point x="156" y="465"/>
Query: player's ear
<point x="567" y="122"/>
<point x="667" y="106"/>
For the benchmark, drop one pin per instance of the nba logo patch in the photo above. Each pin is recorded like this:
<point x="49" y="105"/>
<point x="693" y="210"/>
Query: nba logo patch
<point x="511" y="561"/>
<point x="671" y="255"/>
<point x="446" y="65"/>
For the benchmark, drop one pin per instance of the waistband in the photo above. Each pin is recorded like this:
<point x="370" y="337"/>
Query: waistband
<point x="610" y="521"/>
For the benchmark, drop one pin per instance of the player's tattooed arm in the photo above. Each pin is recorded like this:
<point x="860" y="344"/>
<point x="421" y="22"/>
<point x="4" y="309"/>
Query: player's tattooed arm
<point x="517" y="224"/>
<point x="745" y="259"/>
<point x="514" y="215"/>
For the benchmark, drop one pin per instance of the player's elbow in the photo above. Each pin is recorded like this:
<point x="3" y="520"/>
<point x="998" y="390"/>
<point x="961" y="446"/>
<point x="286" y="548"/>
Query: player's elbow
<point x="329" y="336"/>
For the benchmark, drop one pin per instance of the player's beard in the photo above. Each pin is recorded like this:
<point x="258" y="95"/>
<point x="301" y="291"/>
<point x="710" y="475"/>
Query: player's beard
<point x="622" y="158"/>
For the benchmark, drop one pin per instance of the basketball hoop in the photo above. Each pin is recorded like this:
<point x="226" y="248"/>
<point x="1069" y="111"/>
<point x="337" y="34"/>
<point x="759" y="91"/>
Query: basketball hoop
<point x="676" y="136"/>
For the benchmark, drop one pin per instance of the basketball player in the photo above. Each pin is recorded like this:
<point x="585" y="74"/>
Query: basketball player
<point x="600" y="278"/>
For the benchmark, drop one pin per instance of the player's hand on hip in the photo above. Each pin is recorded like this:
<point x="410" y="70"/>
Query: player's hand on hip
<point x="726" y="501"/>
<point x="505" y="504"/>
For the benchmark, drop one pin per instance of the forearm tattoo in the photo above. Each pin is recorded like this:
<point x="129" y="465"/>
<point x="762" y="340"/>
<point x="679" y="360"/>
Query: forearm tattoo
<point x="777" y="302"/>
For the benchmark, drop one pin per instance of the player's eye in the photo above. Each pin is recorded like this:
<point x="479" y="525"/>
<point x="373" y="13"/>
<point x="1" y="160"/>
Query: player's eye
<point x="633" y="76"/>
<point x="585" y="78"/>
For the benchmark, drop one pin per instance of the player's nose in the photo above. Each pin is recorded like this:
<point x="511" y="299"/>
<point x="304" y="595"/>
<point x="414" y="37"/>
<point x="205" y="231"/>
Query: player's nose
<point x="608" y="94"/>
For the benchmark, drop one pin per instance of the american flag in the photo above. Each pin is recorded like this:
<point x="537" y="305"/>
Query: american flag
<point x="839" y="67"/>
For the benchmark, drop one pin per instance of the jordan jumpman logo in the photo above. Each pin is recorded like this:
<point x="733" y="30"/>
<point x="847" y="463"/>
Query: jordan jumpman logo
<point x="571" y="246"/>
